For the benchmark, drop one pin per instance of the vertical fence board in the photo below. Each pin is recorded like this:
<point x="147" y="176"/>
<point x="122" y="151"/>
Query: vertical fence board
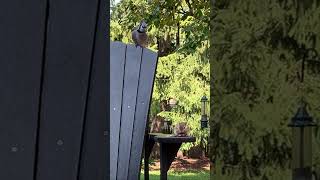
<point x="117" y="63"/>
<point x="130" y="87"/>
<point x="94" y="157"/>
<point x="22" y="26"/>
<point x="147" y="73"/>
<point x="70" y="37"/>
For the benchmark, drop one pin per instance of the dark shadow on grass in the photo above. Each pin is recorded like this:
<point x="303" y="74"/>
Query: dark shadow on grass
<point x="173" y="175"/>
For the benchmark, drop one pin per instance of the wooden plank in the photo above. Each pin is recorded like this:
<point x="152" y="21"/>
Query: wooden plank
<point x="130" y="88"/>
<point x="117" y="64"/>
<point x="22" y="30"/>
<point x="148" y="69"/>
<point x="71" y="29"/>
<point x="94" y="156"/>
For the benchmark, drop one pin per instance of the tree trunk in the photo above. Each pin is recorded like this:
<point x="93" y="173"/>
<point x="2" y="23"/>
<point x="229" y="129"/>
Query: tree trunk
<point x="178" y="35"/>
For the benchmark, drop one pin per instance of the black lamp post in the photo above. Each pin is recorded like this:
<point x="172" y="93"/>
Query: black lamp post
<point x="204" y="116"/>
<point x="301" y="125"/>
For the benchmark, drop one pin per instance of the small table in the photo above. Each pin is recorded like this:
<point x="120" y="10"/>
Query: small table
<point x="169" y="147"/>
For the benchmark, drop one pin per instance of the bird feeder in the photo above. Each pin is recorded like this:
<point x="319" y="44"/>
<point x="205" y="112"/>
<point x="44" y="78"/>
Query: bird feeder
<point x="204" y="116"/>
<point x="167" y="129"/>
<point x="301" y="125"/>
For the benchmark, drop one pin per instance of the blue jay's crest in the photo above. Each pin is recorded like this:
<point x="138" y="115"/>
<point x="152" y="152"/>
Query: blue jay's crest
<point x="143" y="26"/>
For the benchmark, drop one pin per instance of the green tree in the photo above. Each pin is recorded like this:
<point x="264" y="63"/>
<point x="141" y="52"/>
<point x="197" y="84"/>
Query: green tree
<point x="255" y="64"/>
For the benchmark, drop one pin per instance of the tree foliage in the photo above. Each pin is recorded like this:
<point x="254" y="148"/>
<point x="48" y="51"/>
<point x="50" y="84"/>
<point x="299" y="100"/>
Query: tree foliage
<point x="178" y="31"/>
<point x="255" y="68"/>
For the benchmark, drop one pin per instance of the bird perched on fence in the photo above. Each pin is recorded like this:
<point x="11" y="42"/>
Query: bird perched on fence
<point x="139" y="35"/>
<point x="181" y="129"/>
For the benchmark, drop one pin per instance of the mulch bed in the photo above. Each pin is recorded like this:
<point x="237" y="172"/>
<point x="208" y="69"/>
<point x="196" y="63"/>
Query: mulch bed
<point x="184" y="164"/>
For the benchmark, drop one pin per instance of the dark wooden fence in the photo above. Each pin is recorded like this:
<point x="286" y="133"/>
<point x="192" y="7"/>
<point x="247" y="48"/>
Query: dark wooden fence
<point x="132" y="71"/>
<point x="53" y="90"/>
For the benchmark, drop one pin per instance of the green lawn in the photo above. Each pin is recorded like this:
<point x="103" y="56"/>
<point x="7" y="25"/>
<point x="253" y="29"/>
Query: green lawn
<point x="172" y="175"/>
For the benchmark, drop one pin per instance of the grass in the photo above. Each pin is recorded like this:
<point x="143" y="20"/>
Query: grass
<point x="185" y="175"/>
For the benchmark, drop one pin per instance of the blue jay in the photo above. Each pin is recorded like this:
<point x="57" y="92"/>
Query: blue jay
<point x="139" y="35"/>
